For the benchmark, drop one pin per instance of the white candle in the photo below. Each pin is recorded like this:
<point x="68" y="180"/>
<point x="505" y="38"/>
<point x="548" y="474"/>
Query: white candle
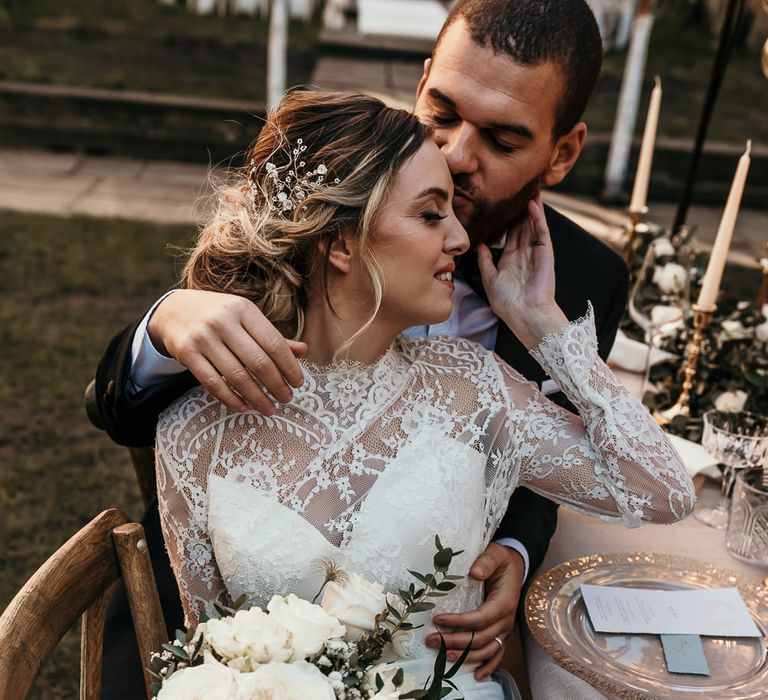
<point x="714" y="274"/>
<point x="645" y="160"/>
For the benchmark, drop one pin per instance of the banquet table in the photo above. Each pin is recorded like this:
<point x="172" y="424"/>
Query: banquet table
<point x="579" y="535"/>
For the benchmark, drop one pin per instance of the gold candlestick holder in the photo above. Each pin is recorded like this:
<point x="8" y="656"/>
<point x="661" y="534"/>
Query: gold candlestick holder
<point x="682" y="407"/>
<point x="634" y="225"/>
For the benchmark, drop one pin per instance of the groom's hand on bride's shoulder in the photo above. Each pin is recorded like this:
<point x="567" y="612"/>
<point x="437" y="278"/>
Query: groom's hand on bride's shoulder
<point x="230" y="346"/>
<point x="503" y="571"/>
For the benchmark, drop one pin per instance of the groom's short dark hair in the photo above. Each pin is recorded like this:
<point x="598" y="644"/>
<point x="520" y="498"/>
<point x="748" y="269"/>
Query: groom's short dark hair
<point x="532" y="32"/>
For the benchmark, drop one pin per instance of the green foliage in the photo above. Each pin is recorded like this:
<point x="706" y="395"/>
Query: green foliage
<point x="733" y="356"/>
<point x="729" y="361"/>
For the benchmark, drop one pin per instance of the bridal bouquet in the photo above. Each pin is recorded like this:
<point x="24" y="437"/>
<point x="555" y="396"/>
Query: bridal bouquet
<point x="298" y="650"/>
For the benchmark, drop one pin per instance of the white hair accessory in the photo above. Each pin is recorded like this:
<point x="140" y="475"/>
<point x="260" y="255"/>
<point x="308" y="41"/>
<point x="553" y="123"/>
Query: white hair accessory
<point x="288" y="192"/>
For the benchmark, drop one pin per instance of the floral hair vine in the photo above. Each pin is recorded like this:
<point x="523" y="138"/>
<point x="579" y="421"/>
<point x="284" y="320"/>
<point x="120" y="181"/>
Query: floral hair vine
<point x="289" y="189"/>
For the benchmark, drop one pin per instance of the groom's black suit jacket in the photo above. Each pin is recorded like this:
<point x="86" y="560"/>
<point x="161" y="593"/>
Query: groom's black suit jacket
<point x="585" y="269"/>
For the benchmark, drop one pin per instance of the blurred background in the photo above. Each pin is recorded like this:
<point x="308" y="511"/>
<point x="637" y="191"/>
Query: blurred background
<point x="113" y="112"/>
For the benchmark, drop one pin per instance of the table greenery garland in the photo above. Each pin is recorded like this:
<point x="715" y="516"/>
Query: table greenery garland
<point x="732" y="373"/>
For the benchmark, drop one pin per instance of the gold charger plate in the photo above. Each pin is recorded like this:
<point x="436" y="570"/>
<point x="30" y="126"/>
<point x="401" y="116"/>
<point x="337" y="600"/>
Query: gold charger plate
<point x="633" y="666"/>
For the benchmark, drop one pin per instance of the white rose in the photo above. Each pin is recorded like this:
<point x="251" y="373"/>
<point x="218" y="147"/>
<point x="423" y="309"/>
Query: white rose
<point x="309" y="624"/>
<point x="734" y="330"/>
<point x="388" y="690"/>
<point x="761" y="332"/>
<point x="249" y="638"/>
<point x="670" y="278"/>
<point x="209" y="681"/>
<point x="663" y="246"/>
<point x="355" y="604"/>
<point x="294" y="681"/>
<point x="732" y="401"/>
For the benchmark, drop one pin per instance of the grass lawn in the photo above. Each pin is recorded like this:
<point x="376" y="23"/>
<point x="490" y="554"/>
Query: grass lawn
<point x="143" y="45"/>
<point x="66" y="286"/>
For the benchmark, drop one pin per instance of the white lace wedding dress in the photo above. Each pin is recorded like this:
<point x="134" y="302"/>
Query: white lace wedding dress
<point x="369" y="462"/>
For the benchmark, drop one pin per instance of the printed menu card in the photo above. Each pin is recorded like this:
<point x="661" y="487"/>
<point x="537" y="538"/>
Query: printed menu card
<point x="715" y="612"/>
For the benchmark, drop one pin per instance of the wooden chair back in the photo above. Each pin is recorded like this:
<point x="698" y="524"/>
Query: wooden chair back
<point x="142" y="458"/>
<point x="71" y="583"/>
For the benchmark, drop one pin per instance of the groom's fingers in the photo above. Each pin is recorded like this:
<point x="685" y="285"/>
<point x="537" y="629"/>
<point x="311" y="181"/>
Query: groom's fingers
<point x="485" y="264"/>
<point x="211" y="380"/>
<point x="456" y="641"/>
<point x="495" y="559"/>
<point x="488" y="614"/>
<point x="280" y="352"/>
<point x="489" y="666"/>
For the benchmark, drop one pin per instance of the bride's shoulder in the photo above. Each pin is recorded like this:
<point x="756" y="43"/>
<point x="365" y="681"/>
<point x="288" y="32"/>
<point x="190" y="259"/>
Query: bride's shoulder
<point x="191" y="413"/>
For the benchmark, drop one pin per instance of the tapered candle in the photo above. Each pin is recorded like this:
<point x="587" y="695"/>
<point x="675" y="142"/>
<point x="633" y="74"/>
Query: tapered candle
<point x="710" y="286"/>
<point x="644" y="162"/>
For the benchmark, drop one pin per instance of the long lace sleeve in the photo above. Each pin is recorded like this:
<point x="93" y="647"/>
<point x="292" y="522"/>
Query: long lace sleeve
<point x="612" y="460"/>
<point x="182" y="473"/>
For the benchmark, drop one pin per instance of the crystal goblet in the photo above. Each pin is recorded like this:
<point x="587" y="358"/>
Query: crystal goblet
<point x="737" y="440"/>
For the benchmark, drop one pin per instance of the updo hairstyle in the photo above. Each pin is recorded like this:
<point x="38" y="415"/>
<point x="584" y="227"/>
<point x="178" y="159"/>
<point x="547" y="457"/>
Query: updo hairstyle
<point x="256" y="248"/>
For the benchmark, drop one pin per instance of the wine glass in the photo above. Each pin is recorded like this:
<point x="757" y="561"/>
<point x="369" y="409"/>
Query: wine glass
<point x="737" y="440"/>
<point x="659" y="302"/>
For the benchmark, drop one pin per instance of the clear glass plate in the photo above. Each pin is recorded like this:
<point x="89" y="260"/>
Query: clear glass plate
<point x="633" y="666"/>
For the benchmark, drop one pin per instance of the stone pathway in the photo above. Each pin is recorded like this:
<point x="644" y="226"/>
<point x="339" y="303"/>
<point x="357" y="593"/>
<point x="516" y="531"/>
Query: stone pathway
<point x="69" y="184"/>
<point x="167" y="192"/>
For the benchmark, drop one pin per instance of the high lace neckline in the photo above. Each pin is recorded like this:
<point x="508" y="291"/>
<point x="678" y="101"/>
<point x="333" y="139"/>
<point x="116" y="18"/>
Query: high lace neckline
<point x="388" y="359"/>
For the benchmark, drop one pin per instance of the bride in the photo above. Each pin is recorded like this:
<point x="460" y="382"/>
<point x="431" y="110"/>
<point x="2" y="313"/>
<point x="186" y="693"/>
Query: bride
<point x="341" y="229"/>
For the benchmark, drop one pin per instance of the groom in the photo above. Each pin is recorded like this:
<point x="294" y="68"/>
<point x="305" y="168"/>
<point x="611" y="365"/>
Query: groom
<point x="505" y="90"/>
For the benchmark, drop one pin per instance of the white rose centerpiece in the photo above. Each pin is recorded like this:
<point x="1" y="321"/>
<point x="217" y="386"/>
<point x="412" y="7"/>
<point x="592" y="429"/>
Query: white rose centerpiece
<point x="731" y="401"/>
<point x="670" y="278"/>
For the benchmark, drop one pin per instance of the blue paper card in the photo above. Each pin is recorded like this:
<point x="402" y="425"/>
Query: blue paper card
<point x="684" y="654"/>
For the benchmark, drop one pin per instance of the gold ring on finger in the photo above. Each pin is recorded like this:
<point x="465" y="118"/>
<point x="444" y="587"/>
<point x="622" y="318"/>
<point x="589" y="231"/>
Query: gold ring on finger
<point x="500" y="642"/>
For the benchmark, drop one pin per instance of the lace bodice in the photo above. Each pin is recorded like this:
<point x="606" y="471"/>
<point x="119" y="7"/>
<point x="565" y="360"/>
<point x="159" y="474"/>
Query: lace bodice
<point x="367" y="463"/>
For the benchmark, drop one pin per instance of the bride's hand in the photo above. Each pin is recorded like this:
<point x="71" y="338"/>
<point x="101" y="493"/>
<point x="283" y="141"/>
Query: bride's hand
<point x="521" y="289"/>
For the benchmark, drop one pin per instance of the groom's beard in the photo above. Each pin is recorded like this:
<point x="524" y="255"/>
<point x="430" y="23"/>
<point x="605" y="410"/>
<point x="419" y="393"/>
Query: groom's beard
<point x="489" y="221"/>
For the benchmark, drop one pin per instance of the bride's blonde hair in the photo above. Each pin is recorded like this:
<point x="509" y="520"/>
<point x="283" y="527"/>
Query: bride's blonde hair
<point x="258" y="247"/>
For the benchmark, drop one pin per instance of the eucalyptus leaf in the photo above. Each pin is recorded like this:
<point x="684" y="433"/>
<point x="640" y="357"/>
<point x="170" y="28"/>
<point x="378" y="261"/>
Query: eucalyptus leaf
<point x="176" y="651"/>
<point x="379" y="682"/>
<point x="457" y="664"/>
<point x="398" y="678"/>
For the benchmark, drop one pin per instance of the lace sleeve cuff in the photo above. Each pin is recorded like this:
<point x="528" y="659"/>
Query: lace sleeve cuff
<point x="568" y="355"/>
